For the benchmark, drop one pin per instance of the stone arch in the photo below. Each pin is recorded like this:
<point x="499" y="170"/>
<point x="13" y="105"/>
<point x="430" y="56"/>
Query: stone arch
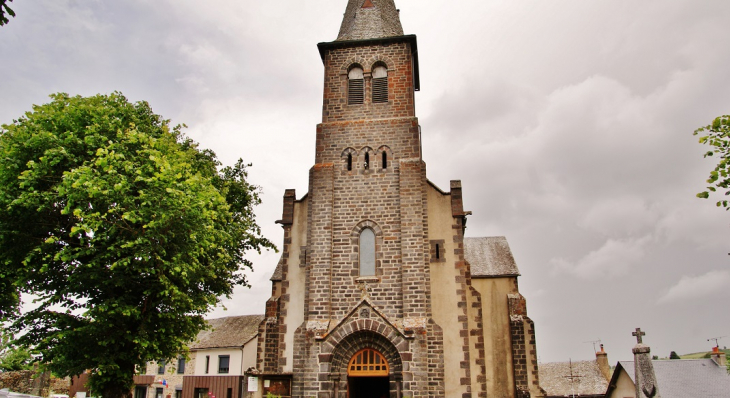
<point x="347" y="156"/>
<point x="388" y="156"/>
<point x="354" y="61"/>
<point x="365" y="335"/>
<point x="355" y="233"/>
<point x="367" y="160"/>
<point x="355" y="244"/>
<point x="381" y="59"/>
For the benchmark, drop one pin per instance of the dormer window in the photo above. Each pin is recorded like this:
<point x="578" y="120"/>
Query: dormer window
<point x="380" y="84"/>
<point x="355" y="86"/>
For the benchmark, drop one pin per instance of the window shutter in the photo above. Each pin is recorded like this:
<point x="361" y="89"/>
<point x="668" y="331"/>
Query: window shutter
<point x="355" y="87"/>
<point x="380" y="84"/>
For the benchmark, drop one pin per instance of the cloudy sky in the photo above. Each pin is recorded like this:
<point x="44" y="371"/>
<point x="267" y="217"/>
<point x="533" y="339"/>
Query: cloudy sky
<point x="569" y="122"/>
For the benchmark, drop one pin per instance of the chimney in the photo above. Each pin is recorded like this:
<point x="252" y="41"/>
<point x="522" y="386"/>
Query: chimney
<point x="718" y="356"/>
<point x="603" y="366"/>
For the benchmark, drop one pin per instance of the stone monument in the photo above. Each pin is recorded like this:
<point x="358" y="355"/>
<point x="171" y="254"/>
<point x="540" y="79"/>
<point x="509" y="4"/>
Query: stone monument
<point x="645" y="380"/>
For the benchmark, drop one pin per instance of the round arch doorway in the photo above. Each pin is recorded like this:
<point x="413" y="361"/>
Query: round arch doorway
<point x="367" y="375"/>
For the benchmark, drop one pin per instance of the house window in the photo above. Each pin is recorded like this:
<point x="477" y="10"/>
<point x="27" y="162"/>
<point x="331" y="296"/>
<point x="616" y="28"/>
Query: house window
<point x="380" y="84"/>
<point x="229" y="393"/>
<point x="355" y="86"/>
<point x="223" y="362"/>
<point x="140" y="392"/>
<point x="161" y="367"/>
<point x="367" y="252"/>
<point x="178" y="393"/>
<point x="207" y="363"/>
<point x="159" y="392"/>
<point x="181" y="365"/>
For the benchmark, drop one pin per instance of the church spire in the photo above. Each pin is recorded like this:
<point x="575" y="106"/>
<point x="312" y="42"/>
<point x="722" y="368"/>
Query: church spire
<point x="370" y="19"/>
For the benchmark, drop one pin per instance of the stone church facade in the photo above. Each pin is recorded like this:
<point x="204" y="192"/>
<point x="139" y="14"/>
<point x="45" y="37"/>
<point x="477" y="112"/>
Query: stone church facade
<point x="378" y="293"/>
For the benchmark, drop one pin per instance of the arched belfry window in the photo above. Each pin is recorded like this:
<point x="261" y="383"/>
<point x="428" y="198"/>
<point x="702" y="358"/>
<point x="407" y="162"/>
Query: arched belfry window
<point x="384" y="160"/>
<point x="367" y="252"/>
<point x="380" y="84"/>
<point x="355" y="86"/>
<point x="349" y="162"/>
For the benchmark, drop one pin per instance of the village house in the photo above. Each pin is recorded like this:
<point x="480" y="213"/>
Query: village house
<point x="215" y="365"/>
<point x="676" y="378"/>
<point x="579" y="379"/>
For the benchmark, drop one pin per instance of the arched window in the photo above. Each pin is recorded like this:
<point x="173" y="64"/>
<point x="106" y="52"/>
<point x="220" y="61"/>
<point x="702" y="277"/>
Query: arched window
<point x="355" y="86"/>
<point x="349" y="162"/>
<point x="384" y="162"/>
<point x="380" y="84"/>
<point x="367" y="160"/>
<point x="367" y="362"/>
<point x="367" y="252"/>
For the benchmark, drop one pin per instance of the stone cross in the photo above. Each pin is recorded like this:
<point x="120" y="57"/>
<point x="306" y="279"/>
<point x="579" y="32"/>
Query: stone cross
<point x="638" y="333"/>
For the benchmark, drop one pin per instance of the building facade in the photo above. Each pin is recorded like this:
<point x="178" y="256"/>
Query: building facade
<point x="213" y="367"/>
<point x="378" y="293"/>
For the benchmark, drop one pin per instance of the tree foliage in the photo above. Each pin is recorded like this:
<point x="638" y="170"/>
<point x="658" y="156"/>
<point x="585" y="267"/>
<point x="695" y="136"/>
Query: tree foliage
<point x="5" y="10"/>
<point x="12" y="357"/>
<point x="674" y="355"/>
<point x="123" y="229"/>
<point x="717" y="136"/>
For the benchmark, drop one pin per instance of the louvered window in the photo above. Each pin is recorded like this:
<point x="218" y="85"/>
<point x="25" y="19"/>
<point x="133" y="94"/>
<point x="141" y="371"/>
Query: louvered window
<point x="355" y="86"/>
<point x="380" y="84"/>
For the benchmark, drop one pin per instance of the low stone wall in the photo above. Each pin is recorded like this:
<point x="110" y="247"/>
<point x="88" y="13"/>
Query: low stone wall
<point x="32" y="383"/>
<point x="20" y="381"/>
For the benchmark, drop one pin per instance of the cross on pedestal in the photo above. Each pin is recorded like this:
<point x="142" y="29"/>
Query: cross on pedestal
<point x="638" y="333"/>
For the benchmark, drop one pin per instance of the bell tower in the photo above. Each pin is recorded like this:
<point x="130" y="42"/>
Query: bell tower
<point x="373" y="294"/>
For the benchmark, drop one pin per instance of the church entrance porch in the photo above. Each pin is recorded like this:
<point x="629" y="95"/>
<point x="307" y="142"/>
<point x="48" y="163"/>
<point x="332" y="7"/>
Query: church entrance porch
<point x="367" y="375"/>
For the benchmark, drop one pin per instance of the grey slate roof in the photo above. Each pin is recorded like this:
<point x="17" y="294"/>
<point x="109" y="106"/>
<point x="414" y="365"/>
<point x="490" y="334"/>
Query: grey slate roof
<point x="490" y="257"/>
<point x="555" y="383"/>
<point x="687" y="378"/>
<point x="232" y="331"/>
<point x="370" y="19"/>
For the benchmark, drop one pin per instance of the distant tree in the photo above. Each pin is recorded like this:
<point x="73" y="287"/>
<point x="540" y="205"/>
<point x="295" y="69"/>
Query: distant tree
<point x="5" y="10"/>
<point x="655" y="357"/>
<point x="125" y="232"/>
<point x="717" y="136"/>
<point x="12" y="357"/>
<point x="673" y="355"/>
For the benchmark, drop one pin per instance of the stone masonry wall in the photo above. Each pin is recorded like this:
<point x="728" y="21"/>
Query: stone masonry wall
<point x="395" y="56"/>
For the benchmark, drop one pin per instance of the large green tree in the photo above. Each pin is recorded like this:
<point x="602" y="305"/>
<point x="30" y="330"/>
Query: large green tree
<point x="5" y="11"/>
<point x="122" y="229"/>
<point x="717" y="136"/>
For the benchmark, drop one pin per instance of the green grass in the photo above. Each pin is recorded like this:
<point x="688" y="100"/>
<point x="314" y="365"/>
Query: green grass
<point x="700" y="355"/>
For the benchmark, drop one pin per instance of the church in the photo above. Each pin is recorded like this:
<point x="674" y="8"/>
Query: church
<point x="378" y="292"/>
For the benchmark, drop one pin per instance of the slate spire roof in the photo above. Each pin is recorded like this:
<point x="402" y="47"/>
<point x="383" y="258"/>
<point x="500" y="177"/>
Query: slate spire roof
<point x="370" y="19"/>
